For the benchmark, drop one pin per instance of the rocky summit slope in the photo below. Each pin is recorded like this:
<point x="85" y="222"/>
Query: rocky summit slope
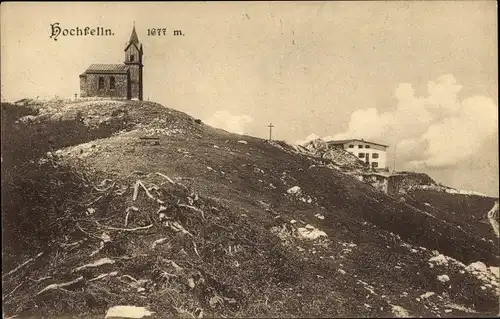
<point x="127" y="203"/>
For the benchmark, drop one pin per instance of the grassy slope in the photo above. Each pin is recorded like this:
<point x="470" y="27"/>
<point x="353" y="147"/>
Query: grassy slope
<point x="467" y="211"/>
<point x="241" y="189"/>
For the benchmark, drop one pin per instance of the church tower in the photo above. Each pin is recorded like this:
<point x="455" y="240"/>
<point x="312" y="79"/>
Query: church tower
<point x="133" y="59"/>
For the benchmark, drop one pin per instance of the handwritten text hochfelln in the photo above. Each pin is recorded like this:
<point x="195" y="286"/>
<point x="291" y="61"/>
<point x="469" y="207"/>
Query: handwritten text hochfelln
<point x="56" y="31"/>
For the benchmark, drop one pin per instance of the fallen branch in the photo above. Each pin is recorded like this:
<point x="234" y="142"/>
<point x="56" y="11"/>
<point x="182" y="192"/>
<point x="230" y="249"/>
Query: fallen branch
<point x="196" y="209"/>
<point x="167" y="178"/>
<point x="59" y="286"/>
<point x="171" y="181"/>
<point x="131" y="278"/>
<point x="137" y="172"/>
<point x="196" y="249"/>
<point x="76" y="243"/>
<point x="178" y="227"/>
<point x="22" y="265"/>
<point x="85" y="232"/>
<point x="167" y="275"/>
<point x="136" y="192"/>
<point x="101" y="276"/>
<point x="95" y="252"/>
<point x="126" y="229"/>
<point x="97" y="263"/>
<point x="93" y="201"/>
<point x="135" y="209"/>
<point x="40" y="279"/>
<point x="10" y="293"/>
<point x="104" y="189"/>
<point x="158" y="241"/>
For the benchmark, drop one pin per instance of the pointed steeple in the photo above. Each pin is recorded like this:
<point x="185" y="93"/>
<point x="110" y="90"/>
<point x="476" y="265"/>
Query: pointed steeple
<point x="133" y="37"/>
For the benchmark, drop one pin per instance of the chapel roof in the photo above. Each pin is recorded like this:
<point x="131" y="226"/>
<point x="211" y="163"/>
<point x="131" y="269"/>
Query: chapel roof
<point x="107" y="68"/>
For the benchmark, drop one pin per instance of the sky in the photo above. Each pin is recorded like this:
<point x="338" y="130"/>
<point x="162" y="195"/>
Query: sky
<point x="420" y="77"/>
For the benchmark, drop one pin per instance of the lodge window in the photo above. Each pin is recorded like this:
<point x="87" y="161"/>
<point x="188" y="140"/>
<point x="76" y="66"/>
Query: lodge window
<point x="112" y="83"/>
<point x="375" y="155"/>
<point x="361" y="155"/>
<point x="374" y="164"/>
<point x="131" y="58"/>
<point x="351" y="146"/>
<point x="360" y="146"/>
<point x="367" y="146"/>
<point x="101" y="83"/>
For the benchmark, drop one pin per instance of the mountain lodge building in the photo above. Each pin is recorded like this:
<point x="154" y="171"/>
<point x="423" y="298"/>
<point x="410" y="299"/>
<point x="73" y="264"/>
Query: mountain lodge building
<point x="374" y="154"/>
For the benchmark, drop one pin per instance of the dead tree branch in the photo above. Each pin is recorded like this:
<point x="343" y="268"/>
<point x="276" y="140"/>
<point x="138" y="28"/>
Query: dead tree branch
<point x="22" y="265"/>
<point x="59" y="286"/>
<point x="196" y="209"/>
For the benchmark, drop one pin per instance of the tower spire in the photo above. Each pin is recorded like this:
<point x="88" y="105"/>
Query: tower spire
<point x="133" y="37"/>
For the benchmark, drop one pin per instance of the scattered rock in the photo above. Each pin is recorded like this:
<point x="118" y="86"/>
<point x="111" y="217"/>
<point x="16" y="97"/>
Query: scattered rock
<point x="128" y="312"/>
<point x="438" y="260"/>
<point x="319" y="216"/>
<point x="443" y="278"/>
<point x="427" y="295"/>
<point x="495" y="271"/>
<point x="310" y="232"/>
<point x="399" y="311"/>
<point x="294" y="190"/>
<point x="477" y="266"/>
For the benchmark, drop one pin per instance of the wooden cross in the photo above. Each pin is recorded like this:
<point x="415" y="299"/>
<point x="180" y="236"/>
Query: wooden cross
<point x="270" y="130"/>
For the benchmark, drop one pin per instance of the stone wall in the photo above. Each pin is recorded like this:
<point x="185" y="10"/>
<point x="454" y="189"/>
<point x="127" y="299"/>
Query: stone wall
<point x="89" y="86"/>
<point x="83" y="85"/>
<point x="136" y="81"/>
<point x="404" y="181"/>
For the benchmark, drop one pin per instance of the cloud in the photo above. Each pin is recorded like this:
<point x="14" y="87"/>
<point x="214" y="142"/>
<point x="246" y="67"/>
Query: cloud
<point x="435" y="131"/>
<point x="231" y="123"/>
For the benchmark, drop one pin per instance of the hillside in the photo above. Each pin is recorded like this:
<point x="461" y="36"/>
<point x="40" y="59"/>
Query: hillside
<point x="131" y="203"/>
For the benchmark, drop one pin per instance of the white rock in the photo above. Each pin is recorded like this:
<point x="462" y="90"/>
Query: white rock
<point x="443" y="278"/>
<point x="399" y="311"/>
<point x="319" y="216"/>
<point x="427" y="295"/>
<point x="294" y="190"/>
<point x="310" y="233"/>
<point x="105" y="237"/>
<point x="243" y="142"/>
<point x="495" y="271"/>
<point x="342" y="271"/>
<point x="127" y="312"/>
<point x="439" y="260"/>
<point x="479" y="266"/>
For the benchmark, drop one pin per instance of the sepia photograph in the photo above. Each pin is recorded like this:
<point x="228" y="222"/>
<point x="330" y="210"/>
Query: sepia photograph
<point x="254" y="159"/>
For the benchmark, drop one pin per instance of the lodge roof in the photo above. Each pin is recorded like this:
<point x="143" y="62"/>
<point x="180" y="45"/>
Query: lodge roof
<point x="352" y="140"/>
